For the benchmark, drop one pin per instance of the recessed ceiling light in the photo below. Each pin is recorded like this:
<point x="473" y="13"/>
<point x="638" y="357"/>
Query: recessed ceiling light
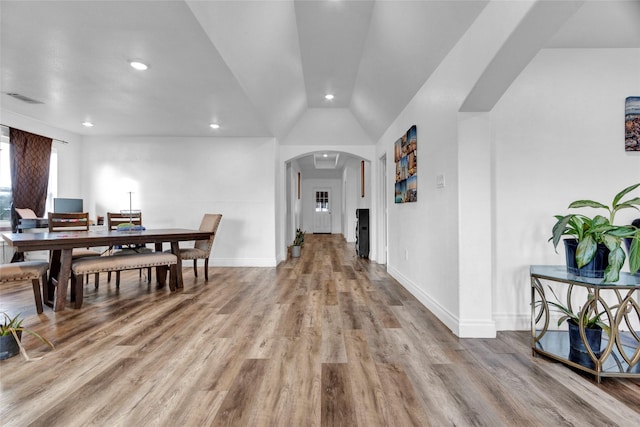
<point x="87" y="124"/>
<point x="138" y="65"/>
<point x="325" y="155"/>
<point x="328" y="97"/>
<point x="214" y="126"/>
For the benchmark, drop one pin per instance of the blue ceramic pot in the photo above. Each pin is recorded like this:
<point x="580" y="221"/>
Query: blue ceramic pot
<point x="595" y="268"/>
<point x="577" y="351"/>
<point x="9" y="346"/>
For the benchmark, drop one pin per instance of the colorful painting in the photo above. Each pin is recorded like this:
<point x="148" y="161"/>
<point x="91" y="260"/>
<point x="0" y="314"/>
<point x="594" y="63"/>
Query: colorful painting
<point x="405" y="152"/>
<point x="632" y="124"/>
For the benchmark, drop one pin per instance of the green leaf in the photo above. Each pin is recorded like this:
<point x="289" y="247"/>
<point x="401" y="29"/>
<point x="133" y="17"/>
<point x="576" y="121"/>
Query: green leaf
<point x="628" y="204"/>
<point x="41" y="338"/>
<point x="563" y="318"/>
<point x="588" y="204"/>
<point x="621" y="194"/>
<point x="600" y="221"/>
<point x="611" y="275"/>
<point x="604" y="327"/>
<point x="635" y="201"/>
<point x="586" y="250"/>
<point x="622" y="231"/>
<point x="559" y="229"/>
<point x="560" y="307"/>
<point x="634" y="255"/>
<point x="611" y="242"/>
<point x="616" y="259"/>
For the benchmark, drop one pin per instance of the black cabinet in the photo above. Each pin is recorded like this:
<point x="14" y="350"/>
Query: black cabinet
<point x="362" y="233"/>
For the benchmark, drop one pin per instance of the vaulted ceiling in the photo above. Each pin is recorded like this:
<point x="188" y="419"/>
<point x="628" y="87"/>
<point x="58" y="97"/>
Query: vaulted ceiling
<point x="254" y="67"/>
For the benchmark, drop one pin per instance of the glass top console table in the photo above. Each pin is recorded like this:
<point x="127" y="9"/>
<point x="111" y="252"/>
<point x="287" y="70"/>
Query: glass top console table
<point x="617" y="303"/>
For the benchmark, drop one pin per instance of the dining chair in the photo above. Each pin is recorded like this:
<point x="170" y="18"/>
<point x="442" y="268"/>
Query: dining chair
<point x="76" y="221"/>
<point x="73" y="221"/>
<point x="202" y="248"/>
<point x="117" y="220"/>
<point x="35" y="271"/>
<point x="126" y="221"/>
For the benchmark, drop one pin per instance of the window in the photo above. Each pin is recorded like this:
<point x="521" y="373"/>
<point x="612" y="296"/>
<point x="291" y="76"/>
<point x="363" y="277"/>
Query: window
<point x="322" y="201"/>
<point x="5" y="182"/>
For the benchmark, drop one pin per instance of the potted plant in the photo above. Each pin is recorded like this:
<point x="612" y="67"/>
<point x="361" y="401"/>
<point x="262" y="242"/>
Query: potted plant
<point x="593" y="327"/>
<point x="298" y="242"/>
<point x="599" y="239"/>
<point x="11" y="330"/>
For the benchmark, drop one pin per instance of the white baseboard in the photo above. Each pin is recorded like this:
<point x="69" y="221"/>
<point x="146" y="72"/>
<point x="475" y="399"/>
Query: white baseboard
<point x="466" y="328"/>
<point x="477" y="328"/>
<point x="512" y="321"/>
<point x="242" y="262"/>
<point x="432" y="305"/>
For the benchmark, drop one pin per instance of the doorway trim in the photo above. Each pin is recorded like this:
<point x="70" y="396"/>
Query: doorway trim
<point x="382" y="209"/>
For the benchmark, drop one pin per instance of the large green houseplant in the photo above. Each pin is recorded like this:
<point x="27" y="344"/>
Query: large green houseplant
<point x="592" y="231"/>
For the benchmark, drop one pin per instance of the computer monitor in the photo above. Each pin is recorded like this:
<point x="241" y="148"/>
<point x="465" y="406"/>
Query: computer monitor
<point x="61" y="205"/>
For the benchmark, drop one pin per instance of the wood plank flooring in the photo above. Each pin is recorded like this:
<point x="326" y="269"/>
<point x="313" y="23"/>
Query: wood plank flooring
<point x="327" y="339"/>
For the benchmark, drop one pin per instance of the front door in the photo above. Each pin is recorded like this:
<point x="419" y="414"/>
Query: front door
<point x="322" y="214"/>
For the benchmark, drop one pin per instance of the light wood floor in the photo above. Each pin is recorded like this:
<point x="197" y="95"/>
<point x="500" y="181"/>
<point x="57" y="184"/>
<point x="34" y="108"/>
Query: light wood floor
<point x="327" y="339"/>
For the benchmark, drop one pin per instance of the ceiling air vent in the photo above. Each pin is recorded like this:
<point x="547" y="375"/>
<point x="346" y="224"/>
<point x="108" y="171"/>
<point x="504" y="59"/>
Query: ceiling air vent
<point x="24" y="98"/>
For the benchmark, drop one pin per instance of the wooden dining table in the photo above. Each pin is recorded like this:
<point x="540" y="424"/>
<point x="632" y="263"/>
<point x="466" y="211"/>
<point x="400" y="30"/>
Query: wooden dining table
<point x="61" y="244"/>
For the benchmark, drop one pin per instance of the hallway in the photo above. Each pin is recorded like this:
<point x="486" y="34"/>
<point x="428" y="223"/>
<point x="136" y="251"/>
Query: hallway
<point x="326" y="339"/>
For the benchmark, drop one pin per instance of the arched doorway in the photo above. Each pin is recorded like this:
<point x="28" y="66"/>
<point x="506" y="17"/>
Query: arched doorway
<point x="329" y="182"/>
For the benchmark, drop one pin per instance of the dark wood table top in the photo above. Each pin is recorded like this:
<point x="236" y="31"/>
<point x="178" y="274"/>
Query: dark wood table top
<point x="25" y="242"/>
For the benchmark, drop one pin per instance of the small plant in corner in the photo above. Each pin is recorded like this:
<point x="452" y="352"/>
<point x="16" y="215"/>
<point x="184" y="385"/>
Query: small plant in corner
<point x="12" y="327"/>
<point x="299" y="238"/>
<point x="298" y="242"/>
<point x="589" y="232"/>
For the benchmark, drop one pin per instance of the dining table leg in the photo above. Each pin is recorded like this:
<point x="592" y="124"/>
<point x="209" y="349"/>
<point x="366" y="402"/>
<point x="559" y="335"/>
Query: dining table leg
<point x="159" y="269"/>
<point x="63" y="280"/>
<point x="48" y="291"/>
<point x="175" y="249"/>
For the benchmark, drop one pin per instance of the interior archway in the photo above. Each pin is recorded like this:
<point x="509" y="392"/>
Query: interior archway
<point x="346" y="175"/>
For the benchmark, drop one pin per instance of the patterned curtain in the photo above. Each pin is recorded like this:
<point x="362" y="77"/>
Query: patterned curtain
<point x="30" y="155"/>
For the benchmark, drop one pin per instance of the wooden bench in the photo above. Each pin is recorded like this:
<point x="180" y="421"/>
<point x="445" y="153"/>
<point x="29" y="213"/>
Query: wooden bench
<point x="132" y="261"/>
<point x="26" y="270"/>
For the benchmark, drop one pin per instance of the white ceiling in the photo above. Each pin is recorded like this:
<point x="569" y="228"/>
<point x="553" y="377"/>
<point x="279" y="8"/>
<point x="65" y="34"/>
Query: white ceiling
<point x="253" y="66"/>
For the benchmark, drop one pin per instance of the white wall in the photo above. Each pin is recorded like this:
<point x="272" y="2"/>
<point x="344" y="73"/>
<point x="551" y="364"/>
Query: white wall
<point x="295" y="200"/>
<point x="424" y="238"/>
<point x="350" y="203"/>
<point x="327" y="127"/>
<point x="353" y="199"/>
<point x="176" y="180"/>
<point x="465" y="250"/>
<point x="558" y="137"/>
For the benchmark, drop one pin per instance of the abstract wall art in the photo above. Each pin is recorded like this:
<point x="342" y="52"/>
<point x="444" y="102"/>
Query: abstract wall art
<point x="406" y="157"/>
<point x="632" y="124"/>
